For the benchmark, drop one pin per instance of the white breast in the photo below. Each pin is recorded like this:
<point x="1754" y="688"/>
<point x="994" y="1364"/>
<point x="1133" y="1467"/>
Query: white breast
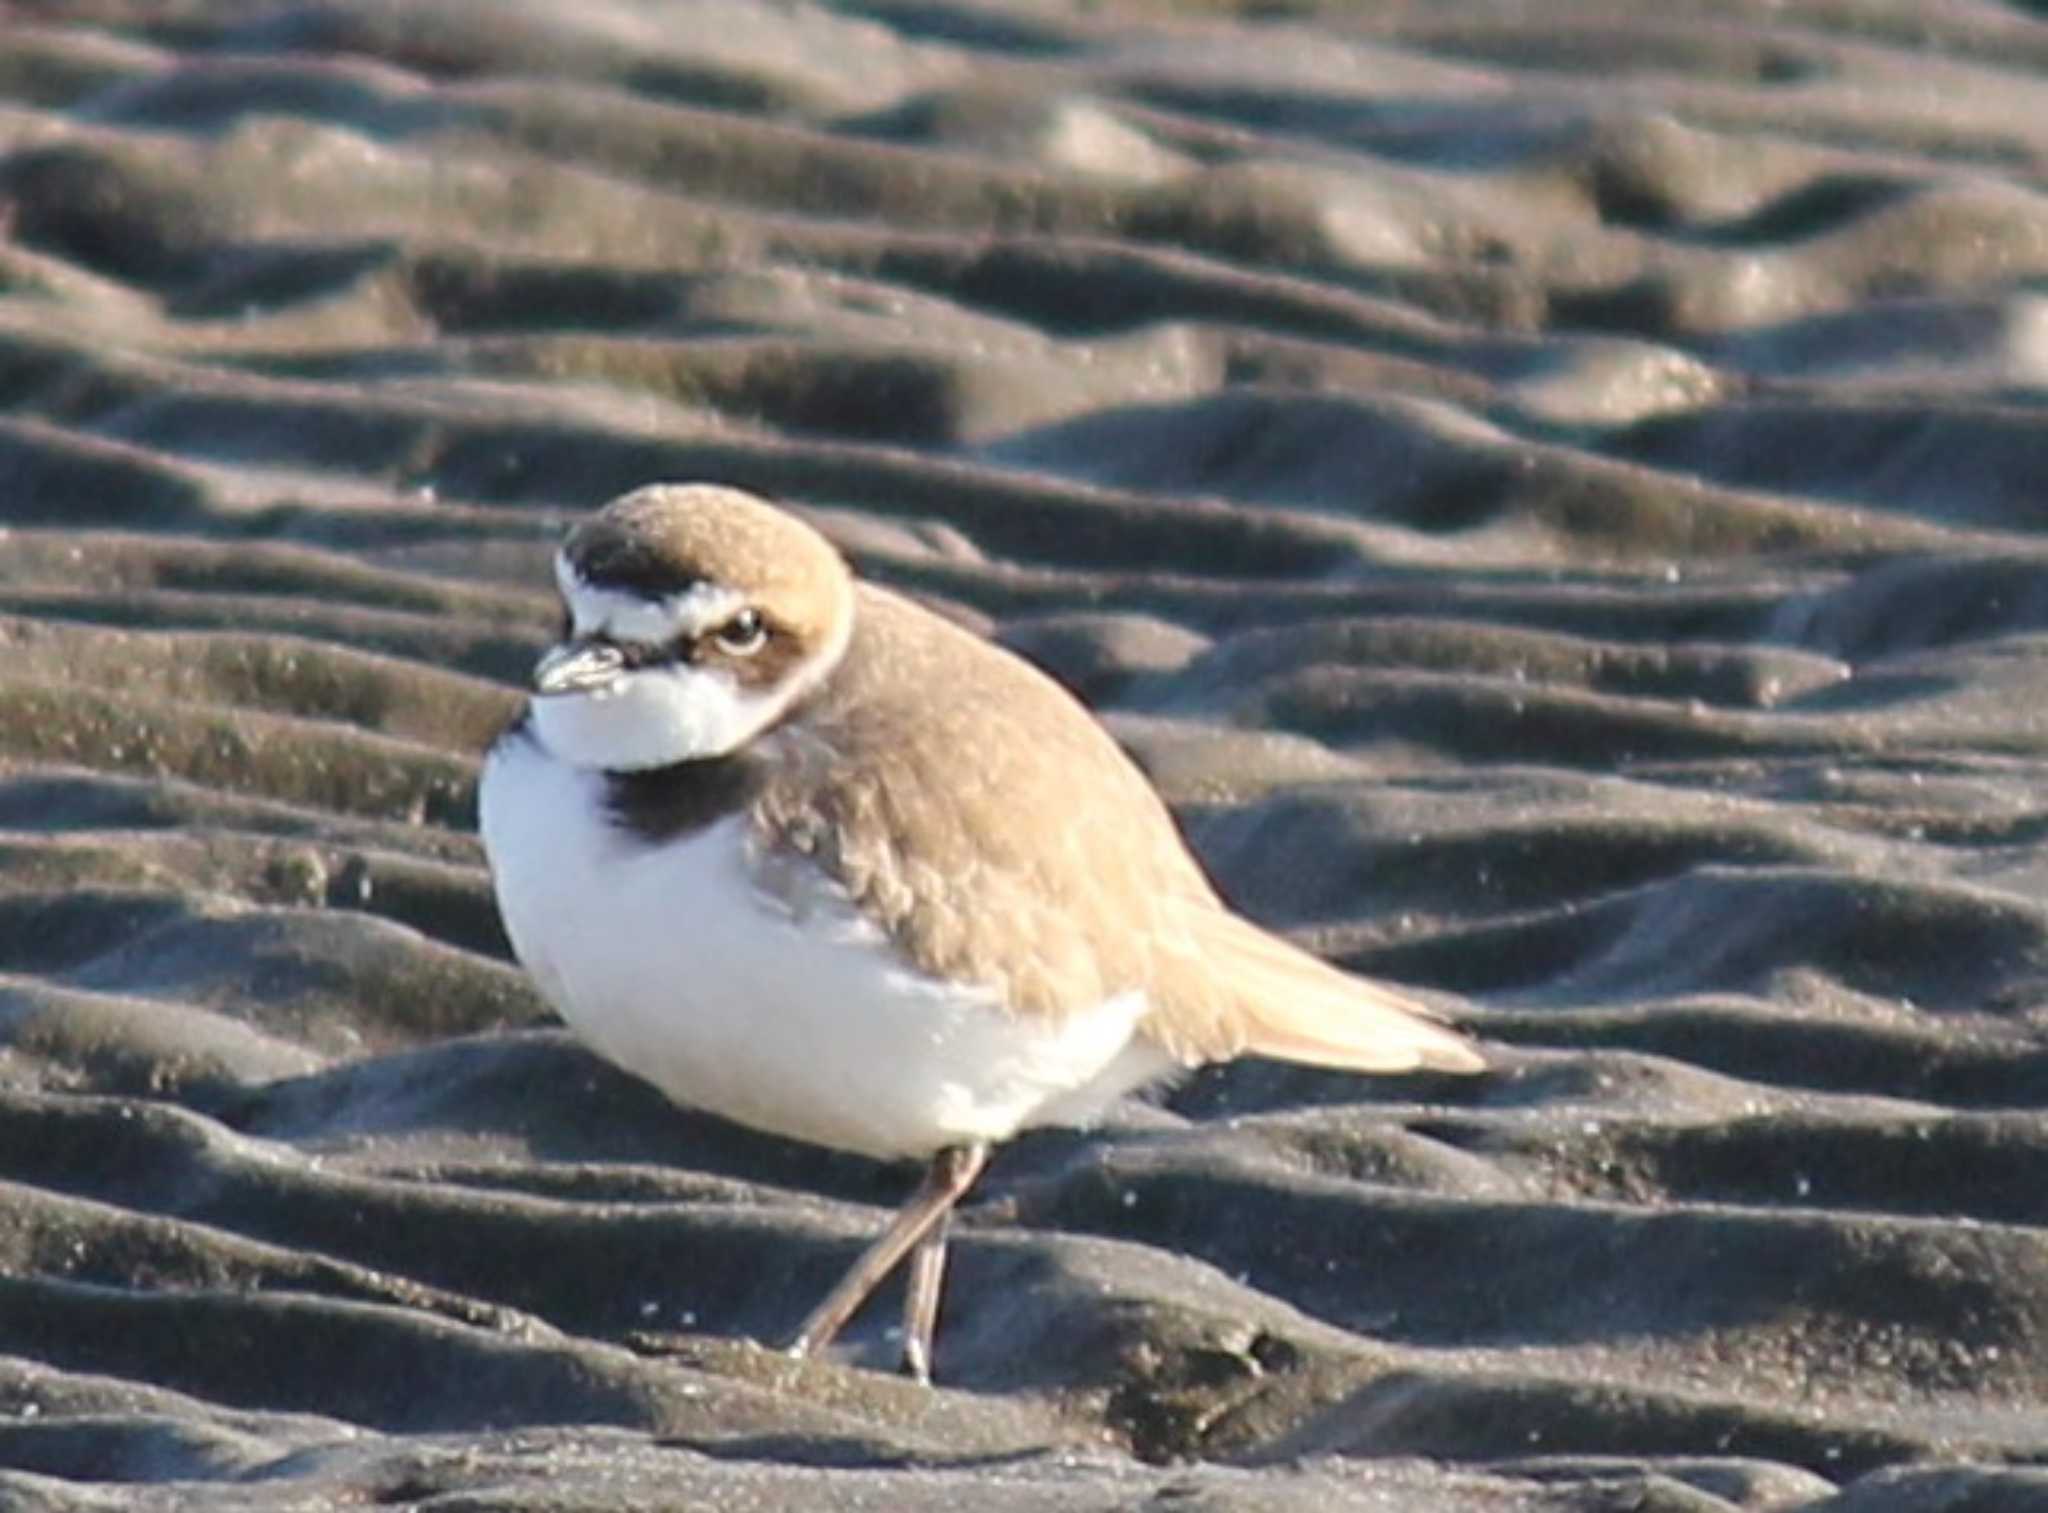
<point x="800" y="1021"/>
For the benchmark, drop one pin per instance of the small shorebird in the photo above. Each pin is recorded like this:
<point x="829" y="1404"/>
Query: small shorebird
<point x="804" y="854"/>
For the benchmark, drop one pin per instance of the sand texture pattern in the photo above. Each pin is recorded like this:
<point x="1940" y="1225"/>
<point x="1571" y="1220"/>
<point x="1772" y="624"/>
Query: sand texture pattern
<point x="1554" y="494"/>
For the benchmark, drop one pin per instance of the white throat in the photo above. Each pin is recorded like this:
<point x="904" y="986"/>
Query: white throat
<point x="654" y="717"/>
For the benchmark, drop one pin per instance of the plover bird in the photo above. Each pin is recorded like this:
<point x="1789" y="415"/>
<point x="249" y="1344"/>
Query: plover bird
<point x="806" y="855"/>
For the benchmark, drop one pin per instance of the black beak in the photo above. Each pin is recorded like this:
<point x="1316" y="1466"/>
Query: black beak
<point x="578" y="667"/>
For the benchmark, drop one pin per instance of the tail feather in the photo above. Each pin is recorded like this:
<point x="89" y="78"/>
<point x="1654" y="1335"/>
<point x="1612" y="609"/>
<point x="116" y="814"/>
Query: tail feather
<point x="1293" y="1006"/>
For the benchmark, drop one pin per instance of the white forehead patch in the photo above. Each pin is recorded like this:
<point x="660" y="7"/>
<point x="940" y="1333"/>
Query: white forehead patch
<point x="698" y="609"/>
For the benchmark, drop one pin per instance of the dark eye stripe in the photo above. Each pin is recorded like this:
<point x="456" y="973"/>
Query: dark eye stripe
<point x="695" y="650"/>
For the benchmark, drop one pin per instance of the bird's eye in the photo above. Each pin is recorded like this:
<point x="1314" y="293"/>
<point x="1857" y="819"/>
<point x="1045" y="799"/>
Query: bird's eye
<point x="744" y="634"/>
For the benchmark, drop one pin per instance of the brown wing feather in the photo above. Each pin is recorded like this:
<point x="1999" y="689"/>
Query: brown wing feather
<point x="1096" y="895"/>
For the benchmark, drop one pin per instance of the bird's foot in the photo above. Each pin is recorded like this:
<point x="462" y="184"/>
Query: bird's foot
<point x="917" y="1362"/>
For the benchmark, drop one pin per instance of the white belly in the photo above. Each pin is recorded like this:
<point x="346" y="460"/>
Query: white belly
<point x="670" y="962"/>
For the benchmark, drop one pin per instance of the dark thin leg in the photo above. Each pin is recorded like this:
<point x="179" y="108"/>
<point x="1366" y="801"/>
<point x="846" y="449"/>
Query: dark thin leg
<point x="951" y="1173"/>
<point x="921" y="1300"/>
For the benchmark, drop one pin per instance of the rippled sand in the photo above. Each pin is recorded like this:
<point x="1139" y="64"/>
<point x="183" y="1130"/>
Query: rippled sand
<point x="1553" y="493"/>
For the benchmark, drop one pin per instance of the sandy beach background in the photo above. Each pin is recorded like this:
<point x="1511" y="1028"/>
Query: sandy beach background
<point x="1553" y="493"/>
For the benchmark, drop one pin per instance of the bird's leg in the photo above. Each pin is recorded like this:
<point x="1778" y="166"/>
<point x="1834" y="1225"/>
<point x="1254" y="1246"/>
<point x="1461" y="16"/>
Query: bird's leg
<point x="951" y="1173"/>
<point x="921" y="1300"/>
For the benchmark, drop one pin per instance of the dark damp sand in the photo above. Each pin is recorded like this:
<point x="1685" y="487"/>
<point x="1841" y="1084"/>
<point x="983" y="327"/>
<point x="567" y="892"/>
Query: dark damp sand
<point x="1554" y="494"/>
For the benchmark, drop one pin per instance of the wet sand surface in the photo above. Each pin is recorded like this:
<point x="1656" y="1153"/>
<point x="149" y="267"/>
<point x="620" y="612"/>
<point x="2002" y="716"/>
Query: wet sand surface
<point x="1554" y="495"/>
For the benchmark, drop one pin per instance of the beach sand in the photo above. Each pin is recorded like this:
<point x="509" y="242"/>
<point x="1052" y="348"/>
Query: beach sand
<point x="1554" y="494"/>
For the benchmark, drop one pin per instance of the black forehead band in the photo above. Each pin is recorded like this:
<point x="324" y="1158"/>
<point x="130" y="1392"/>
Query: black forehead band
<point x="626" y="565"/>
